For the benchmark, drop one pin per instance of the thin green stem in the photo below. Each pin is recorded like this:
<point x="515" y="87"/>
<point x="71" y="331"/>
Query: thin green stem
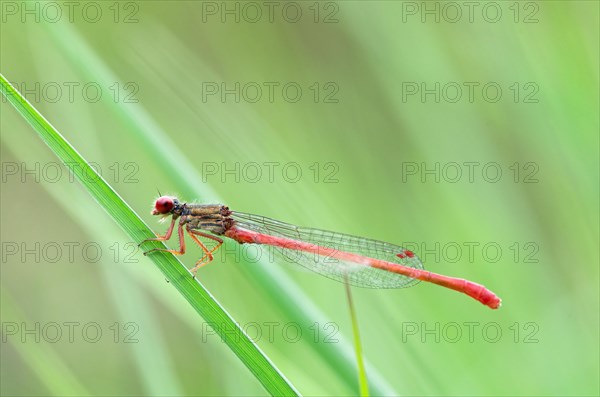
<point x="363" y="383"/>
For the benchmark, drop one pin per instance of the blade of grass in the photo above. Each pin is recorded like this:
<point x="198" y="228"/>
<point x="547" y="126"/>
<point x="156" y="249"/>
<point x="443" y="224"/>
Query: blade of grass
<point x="363" y="383"/>
<point x="200" y="299"/>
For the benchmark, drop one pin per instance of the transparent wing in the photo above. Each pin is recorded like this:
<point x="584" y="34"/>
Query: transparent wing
<point x="356" y="274"/>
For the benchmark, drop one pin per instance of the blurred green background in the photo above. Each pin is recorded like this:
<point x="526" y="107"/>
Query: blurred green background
<point x="371" y="128"/>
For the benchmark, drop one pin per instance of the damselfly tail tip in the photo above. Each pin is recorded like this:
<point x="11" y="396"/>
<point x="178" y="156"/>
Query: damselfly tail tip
<point x="495" y="303"/>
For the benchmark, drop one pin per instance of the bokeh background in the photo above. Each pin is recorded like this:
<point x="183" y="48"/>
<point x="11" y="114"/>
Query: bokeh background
<point x="378" y="142"/>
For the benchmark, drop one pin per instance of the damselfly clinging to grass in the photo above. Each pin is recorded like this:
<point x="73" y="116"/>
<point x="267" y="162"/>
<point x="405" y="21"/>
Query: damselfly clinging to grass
<point x="359" y="261"/>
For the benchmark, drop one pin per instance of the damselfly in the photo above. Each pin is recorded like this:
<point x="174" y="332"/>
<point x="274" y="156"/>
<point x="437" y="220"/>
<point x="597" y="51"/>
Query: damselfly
<point x="358" y="261"/>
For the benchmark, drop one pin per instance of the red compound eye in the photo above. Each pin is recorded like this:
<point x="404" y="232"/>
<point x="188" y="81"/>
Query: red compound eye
<point x="163" y="205"/>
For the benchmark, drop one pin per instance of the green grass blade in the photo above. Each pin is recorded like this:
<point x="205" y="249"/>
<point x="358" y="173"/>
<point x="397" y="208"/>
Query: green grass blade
<point x="200" y="299"/>
<point x="363" y="383"/>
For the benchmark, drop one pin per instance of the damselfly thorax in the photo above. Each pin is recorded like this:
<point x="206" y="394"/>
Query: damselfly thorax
<point x="214" y="218"/>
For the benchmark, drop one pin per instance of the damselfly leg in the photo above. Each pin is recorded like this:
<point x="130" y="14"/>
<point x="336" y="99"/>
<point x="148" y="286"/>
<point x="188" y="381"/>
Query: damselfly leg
<point x="208" y="253"/>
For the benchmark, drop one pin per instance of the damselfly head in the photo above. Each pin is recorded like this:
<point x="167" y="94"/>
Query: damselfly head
<point x="164" y="205"/>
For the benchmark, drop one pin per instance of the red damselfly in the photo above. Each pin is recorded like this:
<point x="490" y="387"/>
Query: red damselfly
<point x="359" y="261"/>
